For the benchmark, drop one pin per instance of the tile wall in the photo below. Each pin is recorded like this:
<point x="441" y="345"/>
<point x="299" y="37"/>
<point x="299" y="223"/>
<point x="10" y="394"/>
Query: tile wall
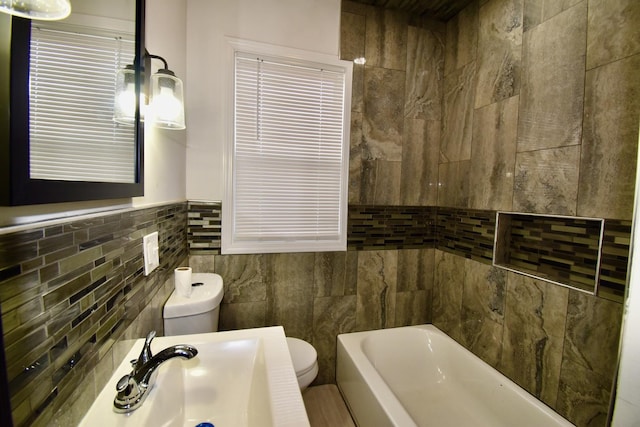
<point x="540" y="115"/>
<point x="73" y="295"/>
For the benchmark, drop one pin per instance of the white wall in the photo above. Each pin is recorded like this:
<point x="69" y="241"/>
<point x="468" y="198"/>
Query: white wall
<point x="165" y="150"/>
<point x="312" y="25"/>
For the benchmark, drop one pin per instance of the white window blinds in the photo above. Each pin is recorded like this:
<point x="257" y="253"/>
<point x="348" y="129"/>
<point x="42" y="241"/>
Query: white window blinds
<point x="72" y="133"/>
<point x="290" y="156"/>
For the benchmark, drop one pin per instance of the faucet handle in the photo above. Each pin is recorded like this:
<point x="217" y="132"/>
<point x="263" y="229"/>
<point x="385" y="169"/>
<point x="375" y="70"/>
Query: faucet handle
<point x="145" y="354"/>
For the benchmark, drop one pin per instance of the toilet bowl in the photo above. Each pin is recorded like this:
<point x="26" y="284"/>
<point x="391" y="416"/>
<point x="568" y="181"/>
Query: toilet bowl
<point x="305" y="361"/>
<point x="200" y="312"/>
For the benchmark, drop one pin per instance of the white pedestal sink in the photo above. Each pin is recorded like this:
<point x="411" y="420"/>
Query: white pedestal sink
<point x="239" y="378"/>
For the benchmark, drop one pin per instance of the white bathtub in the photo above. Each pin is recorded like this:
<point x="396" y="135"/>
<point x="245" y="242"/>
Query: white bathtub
<point x="418" y="376"/>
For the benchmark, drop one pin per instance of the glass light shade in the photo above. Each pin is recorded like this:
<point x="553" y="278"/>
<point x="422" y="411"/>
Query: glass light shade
<point x="45" y="10"/>
<point x="124" y="106"/>
<point x="167" y="100"/>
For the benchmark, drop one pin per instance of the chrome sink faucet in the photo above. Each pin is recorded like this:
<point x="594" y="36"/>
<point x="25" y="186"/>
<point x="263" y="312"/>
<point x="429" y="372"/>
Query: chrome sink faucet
<point x="132" y="389"/>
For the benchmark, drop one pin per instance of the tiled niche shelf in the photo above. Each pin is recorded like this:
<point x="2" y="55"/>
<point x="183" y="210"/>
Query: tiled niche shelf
<point x="559" y="249"/>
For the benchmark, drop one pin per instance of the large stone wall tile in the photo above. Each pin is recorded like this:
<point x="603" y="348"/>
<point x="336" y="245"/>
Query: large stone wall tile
<point x="424" y="77"/>
<point x="610" y="140"/>
<point x="331" y="316"/>
<point x="243" y="315"/>
<point x="415" y="269"/>
<point x="493" y="156"/>
<point x="614" y="31"/>
<point x="499" y="51"/>
<point x="357" y="89"/>
<point x="482" y="312"/>
<point x="376" y="297"/>
<point x="388" y="175"/>
<point x="448" y="287"/>
<point x="290" y="293"/>
<point x="331" y="273"/>
<point x="358" y="153"/>
<point x="457" y="126"/>
<point x="383" y="117"/>
<point x="420" y="153"/>
<point x="243" y="277"/>
<point x="593" y="328"/>
<point x="583" y="397"/>
<point x="546" y="181"/>
<point x="352" y="36"/>
<point x="386" y="38"/>
<point x="552" y="89"/>
<point x="461" y="39"/>
<point x="538" y="11"/>
<point x="413" y="308"/>
<point x="453" y="184"/>
<point x="535" y="317"/>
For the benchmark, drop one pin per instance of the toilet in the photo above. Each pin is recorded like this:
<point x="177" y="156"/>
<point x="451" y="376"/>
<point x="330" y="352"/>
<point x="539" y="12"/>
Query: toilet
<point x="305" y="361"/>
<point x="200" y="312"/>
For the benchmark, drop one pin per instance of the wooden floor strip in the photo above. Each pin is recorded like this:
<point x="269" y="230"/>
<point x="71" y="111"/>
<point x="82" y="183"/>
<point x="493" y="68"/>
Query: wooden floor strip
<point x="325" y="407"/>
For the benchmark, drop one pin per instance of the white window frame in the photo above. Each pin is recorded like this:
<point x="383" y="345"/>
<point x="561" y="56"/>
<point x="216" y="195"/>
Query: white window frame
<point x="231" y="243"/>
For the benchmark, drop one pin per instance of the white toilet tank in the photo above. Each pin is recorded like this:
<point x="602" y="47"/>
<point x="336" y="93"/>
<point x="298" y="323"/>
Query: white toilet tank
<point x="200" y="312"/>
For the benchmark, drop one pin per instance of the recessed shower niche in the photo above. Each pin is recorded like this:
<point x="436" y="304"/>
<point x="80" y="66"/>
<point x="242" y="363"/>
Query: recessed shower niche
<point x="559" y="249"/>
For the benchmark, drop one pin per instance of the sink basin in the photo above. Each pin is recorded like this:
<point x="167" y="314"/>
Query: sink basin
<point x="239" y="378"/>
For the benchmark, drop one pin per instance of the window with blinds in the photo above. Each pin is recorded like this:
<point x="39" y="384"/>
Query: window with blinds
<point x="288" y="189"/>
<point x="72" y="84"/>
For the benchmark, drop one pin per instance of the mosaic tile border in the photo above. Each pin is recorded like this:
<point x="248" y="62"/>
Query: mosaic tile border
<point x="68" y="291"/>
<point x="560" y="249"/>
<point x="204" y="227"/>
<point x="468" y="233"/>
<point x="390" y="227"/>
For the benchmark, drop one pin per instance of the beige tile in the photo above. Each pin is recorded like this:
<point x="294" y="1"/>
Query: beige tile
<point x="499" y="51"/>
<point x="447" y="294"/>
<point x="331" y="316"/>
<point x="420" y="153"/>
<point x="582" y="396"/>
<point x="535" y="316"/>
<point x="546" y="181"/>
<point x="290" y="293"/>
<point x="482" y="313"/>
<point x="593" y="329"/>
<point x="614" y="31"/>
<point x="461" y="39"/>
<point x="388" y="174"/>
<point x="377" y="277"/>
<point x="352" y="36"/>
<point x="413" y="308"/>
<point x="243" y="315"/>
<point x="552" y="89"/>
<point x="424" y="76"/>
<point x="243" y="276"/>
<point x="383" y="112"/>
<point x="415" y="269"/>
<point x="453" y="184"/>
<point x="386" y="38"/>
<point x="457" y="126"/>
<point x="358" y="155"/>
<point x="610" y="140"/>
<point x="493" y="156"/>
<point x="335" y="273"/>
<point x="538" y="11"/>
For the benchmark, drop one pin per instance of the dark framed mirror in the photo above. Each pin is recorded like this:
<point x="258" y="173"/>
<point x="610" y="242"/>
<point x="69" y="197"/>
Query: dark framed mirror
<point x="23" y="181"/>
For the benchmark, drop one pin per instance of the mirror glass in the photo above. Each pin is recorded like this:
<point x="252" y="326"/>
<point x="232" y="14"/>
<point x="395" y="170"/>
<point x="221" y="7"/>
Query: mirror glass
<point x="72" y="67"/>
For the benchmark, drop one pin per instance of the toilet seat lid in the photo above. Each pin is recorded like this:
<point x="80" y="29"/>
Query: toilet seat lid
<point x="303" y="355"/>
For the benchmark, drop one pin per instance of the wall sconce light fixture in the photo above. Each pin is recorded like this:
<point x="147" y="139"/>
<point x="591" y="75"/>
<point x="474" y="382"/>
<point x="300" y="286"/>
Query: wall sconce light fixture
<point x="165" y="108"/>
<point x="44" y="10"/>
